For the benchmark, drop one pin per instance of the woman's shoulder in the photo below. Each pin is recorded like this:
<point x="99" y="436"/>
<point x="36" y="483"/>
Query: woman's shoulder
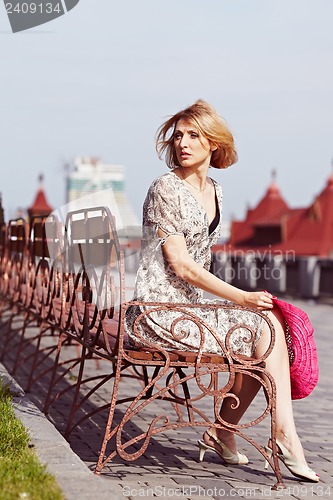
<point x="161" y="202"/>
<point x="167" y="180"/>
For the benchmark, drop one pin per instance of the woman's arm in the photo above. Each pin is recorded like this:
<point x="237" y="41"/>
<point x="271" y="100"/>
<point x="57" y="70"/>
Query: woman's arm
<point x="176" y="254"/>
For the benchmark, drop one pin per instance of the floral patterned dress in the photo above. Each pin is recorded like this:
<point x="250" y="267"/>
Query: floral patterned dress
<point x="170" y="206"/>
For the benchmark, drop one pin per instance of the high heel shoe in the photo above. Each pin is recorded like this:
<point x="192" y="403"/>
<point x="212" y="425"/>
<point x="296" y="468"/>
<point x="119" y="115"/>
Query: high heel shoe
<point x="227" y="455"/>
<point x="298" y="470"/>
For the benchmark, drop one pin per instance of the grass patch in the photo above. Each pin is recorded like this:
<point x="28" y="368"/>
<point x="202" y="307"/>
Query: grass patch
<point x="21" y="474"/>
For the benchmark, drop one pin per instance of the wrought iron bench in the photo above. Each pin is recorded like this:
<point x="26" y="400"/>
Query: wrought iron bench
<point x="94" y="307"/>
<point x="12" y="277"/>
<point x="79" y="292"/>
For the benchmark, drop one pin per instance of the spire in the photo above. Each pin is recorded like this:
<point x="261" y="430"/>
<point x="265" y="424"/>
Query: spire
<point x="40" y="205"/>
<point x="271" y="206"/>
<point x="273" y="189"/>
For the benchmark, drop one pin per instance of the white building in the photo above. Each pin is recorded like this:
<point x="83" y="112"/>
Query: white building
<point x="93" y="183"/>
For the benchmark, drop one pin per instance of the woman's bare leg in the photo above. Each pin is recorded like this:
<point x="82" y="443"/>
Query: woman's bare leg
<point x="277" y="364"/>
<point x="245" y="388"/>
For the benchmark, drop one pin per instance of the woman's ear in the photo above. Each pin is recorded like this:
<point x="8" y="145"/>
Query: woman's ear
<point x="213" y="148"/>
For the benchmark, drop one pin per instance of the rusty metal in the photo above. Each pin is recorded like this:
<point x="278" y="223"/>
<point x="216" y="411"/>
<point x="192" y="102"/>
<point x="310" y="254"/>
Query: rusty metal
<point x="13" y="268"/>
<point x="78" y="291"/>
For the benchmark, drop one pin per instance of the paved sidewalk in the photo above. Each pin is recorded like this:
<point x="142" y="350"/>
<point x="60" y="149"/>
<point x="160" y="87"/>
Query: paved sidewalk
<point x="170" y="466"/>
<point x="72" y="474"/>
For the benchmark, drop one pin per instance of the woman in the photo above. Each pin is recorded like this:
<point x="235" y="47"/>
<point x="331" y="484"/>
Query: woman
<point x="181" y="222"/>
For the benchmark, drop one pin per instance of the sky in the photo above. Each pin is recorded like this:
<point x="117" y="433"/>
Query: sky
<point x="101" y="79"/>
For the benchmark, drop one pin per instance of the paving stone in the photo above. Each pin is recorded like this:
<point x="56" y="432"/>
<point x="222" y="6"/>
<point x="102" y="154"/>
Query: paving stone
<point x="171" y="460"/>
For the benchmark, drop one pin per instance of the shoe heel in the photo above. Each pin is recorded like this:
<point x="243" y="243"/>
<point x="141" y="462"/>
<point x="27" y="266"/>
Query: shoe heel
<point x="225" y="454"/>
<point x="202" y="450"/>
<point x="269" y="453"/>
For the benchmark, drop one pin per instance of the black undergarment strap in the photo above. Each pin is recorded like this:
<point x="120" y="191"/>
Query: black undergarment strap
<point x="215" y="222"/>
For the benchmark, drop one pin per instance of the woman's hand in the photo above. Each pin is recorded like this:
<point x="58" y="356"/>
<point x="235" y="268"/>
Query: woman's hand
<point x="258" y="300"/>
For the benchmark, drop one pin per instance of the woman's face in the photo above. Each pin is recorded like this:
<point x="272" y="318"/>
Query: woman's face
<point x="192" y="149"/>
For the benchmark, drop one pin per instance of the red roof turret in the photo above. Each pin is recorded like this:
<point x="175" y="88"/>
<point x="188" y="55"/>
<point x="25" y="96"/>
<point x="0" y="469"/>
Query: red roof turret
<point x="273" y="226"/>
<point x="271" y="207"/>
<point x="40" y="205"/>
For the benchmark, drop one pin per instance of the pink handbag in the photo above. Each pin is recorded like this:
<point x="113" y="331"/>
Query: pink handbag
<point x="304" y="370"/>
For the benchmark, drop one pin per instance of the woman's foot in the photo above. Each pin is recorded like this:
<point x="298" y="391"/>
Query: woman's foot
<point x="226" y="449"/>
<point x="292" y="446"/>
<point x="296" y="464"/>
<point x="227" y="438"/>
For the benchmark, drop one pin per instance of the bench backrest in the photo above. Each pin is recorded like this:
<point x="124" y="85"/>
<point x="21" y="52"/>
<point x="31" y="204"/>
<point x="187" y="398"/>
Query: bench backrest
<point x="94" y="261"/>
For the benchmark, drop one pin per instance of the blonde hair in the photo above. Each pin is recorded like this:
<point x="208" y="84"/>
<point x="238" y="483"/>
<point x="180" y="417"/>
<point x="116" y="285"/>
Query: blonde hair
<point x="209" y="124"/>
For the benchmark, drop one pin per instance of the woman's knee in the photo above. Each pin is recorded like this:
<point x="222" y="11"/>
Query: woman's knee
<point x="277" y="318"/>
